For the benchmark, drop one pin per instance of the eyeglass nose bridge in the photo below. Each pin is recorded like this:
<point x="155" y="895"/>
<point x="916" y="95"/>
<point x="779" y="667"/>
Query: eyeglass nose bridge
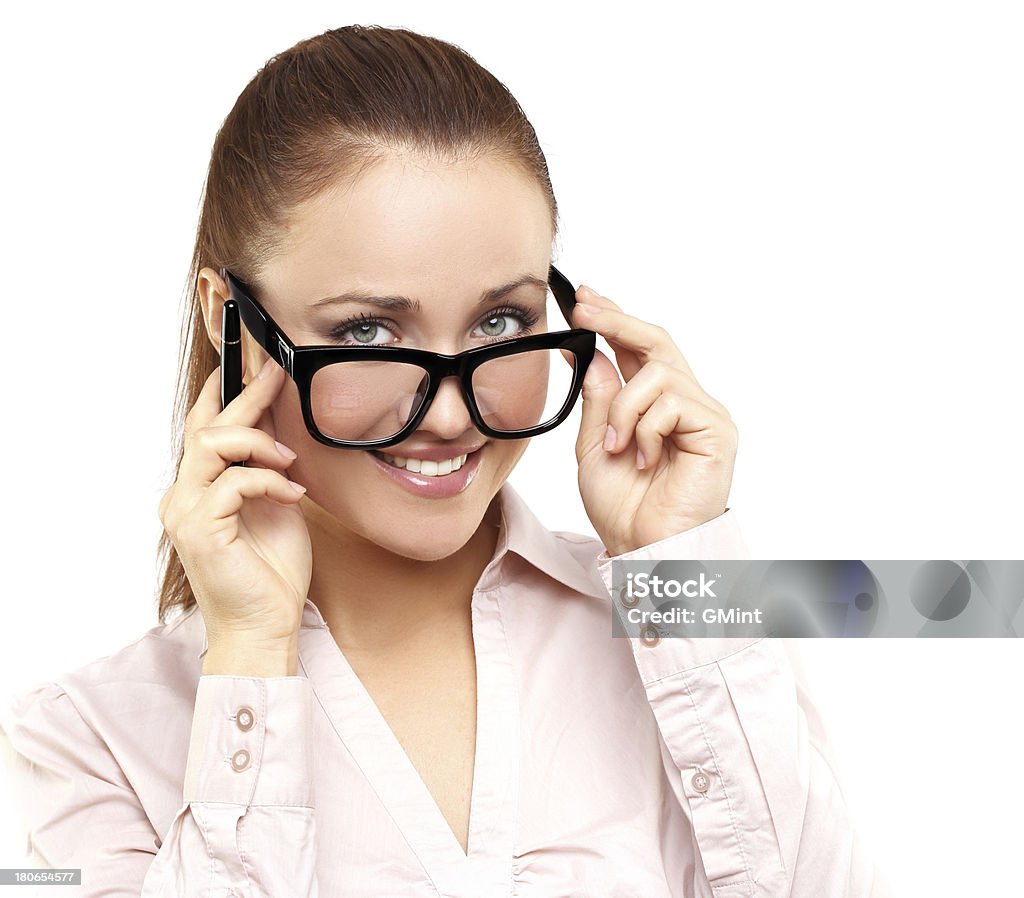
<point x="459" y="366"/>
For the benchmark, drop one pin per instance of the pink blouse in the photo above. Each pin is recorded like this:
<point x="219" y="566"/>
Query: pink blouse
<point x="604" y="766"/>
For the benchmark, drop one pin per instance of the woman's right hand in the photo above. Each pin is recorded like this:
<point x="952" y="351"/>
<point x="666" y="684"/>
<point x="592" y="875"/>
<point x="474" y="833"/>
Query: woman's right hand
<point x="239" y="531"/>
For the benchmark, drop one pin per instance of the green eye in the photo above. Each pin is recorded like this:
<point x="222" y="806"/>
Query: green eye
<point x="364" y="333"/>
<point x="495" y="326"/>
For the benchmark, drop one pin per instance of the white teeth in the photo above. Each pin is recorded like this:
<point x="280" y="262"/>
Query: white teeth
<point x="430" y="468"/>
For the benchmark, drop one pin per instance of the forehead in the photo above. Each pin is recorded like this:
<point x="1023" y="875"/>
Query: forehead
<point x="418" y="227"/>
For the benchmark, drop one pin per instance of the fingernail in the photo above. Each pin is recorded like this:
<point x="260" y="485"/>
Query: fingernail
<point x="297" y="487"/>
<point x="640" y="462"/>
<point x="284" y="450"/>
<point x="609" y="438"/>
<point x="265" y="370"/>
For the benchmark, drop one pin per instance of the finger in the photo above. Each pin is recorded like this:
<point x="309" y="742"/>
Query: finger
<point x="627" y="361"/>
<point x="244" y="409"/>
<point x="637" y="396"/>
<point x="673" y="415"/>
<point x="648" y="341"/>
<point x="228" y="493"/>
<point x="600" y="386"/>
<point x="590" y="296"/>
<point x="633" y="400"/>
<point x="206" y="407"/>
<point x="213" y="448"/>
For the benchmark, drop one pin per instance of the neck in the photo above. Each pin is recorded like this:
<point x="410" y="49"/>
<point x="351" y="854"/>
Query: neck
<point x="403" y="601"/>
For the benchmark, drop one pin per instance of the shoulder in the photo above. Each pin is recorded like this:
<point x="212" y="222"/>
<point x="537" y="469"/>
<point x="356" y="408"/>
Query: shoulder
<point x="165" y="655"/>
<point x="118" y="725"/>
<point x="149" y="681"/>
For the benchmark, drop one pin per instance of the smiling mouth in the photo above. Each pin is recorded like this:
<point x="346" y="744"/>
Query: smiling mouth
<point x="424" y="467"/>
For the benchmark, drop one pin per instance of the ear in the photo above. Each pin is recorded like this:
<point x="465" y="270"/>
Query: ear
<point x="213" y="293"/>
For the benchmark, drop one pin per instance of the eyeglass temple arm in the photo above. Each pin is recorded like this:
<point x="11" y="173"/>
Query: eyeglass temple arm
<point x="565" y="292"/>
<point x="261" y="326"/>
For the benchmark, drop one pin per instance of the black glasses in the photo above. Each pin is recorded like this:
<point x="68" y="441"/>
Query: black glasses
<point x="372" y="397"/>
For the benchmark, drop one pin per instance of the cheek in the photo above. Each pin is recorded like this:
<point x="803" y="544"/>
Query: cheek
<point x="286" y="414"/>
<point x="506" y="455"/>
<point x="314" y="458"/>
<point x="333" y="477"/>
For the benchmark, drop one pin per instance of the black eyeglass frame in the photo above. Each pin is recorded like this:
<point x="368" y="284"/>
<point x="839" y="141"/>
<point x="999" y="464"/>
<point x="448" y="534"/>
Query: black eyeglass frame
<point x="302" y="362"/>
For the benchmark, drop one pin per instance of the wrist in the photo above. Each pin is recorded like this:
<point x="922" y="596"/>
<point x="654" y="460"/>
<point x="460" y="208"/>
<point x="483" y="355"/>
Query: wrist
<point x="242" y="657"/>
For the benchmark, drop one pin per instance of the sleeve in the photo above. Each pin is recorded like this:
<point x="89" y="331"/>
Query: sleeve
<point x="245" y="827"/>
<point x="754" y="762"/>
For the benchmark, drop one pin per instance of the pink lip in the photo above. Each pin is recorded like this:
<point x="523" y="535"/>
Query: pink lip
<point x="433" y="487"/>
<point x="435" y="453"/>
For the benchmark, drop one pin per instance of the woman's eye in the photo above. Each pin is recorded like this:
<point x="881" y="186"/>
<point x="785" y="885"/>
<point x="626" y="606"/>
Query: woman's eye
<point x="365" y="332"/>
<point x="504" y="324"/>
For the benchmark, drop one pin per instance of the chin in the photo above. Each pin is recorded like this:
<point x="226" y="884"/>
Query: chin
<point x="420" y="541"/>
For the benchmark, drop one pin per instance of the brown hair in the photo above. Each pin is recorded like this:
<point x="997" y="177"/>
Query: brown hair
<point x="318" y="112"/>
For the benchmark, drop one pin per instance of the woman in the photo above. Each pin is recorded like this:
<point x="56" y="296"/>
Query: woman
<point x="387" y="677"/>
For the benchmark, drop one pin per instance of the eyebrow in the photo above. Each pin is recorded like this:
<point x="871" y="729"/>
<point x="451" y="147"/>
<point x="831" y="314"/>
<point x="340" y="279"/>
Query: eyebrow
<point x="404" y="304"/>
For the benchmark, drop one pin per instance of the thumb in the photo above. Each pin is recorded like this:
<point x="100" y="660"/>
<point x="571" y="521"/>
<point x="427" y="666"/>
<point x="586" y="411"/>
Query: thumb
<point x="600" y="387"/>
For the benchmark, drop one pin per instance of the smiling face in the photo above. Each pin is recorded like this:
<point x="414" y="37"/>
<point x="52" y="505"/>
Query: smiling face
<point x="431" y="241"/>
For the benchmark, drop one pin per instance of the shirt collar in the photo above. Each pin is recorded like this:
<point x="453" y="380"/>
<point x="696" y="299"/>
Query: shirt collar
<point x="523" y="533"/>
<point x="519" y="531"/>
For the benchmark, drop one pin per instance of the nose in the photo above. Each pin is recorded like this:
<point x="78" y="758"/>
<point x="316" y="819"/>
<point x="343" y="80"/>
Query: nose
<point x="448" y="417"/>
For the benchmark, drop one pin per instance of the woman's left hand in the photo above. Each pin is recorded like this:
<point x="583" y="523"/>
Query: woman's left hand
<point x="670" y="463"/>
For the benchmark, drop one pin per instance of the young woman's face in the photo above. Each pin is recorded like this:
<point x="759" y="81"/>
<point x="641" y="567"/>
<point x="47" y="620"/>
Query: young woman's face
<point x="441" y="235"/>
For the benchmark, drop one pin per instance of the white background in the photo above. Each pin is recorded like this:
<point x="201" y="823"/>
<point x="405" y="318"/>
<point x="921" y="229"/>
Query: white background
<point x="822" y="203"/>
